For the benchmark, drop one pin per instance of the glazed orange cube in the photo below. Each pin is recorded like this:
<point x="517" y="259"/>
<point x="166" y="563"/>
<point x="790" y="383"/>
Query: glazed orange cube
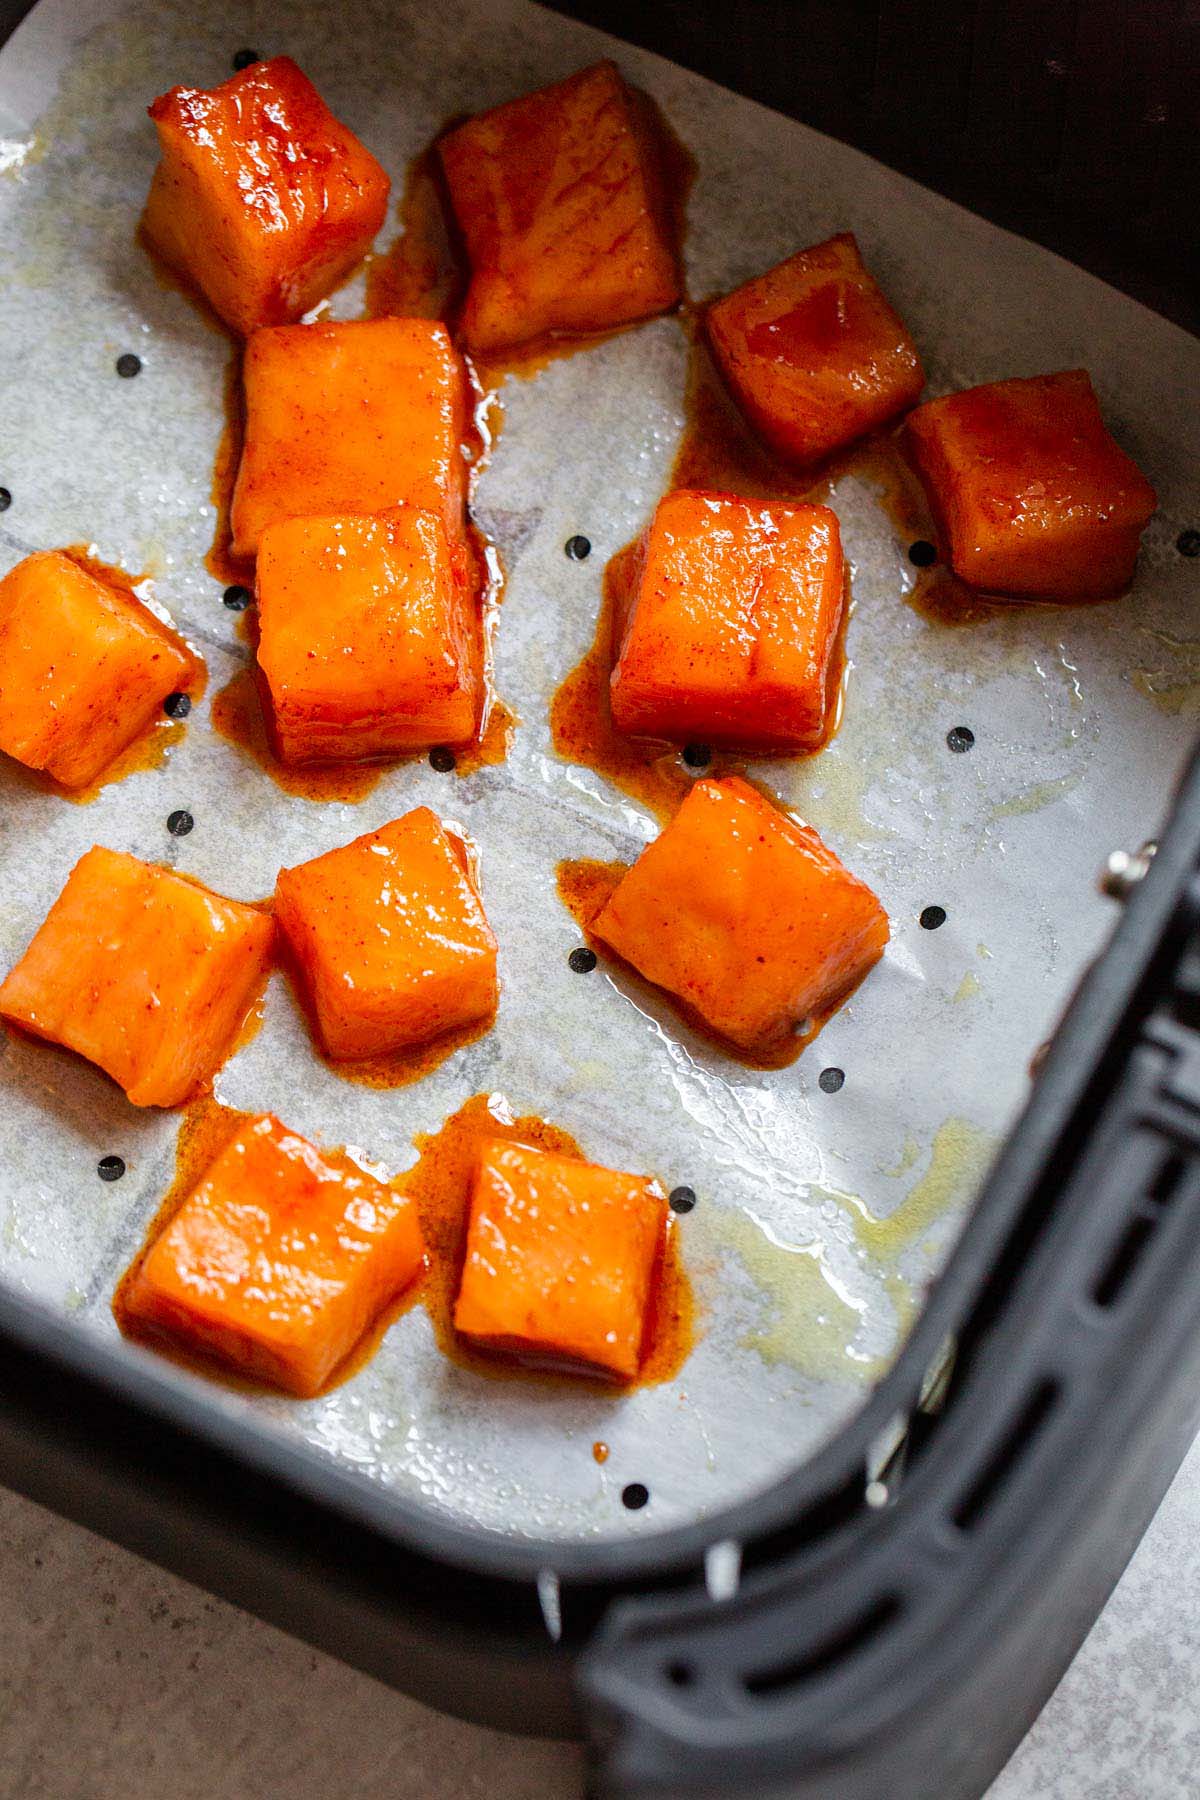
<point x="262" y="199"/>
<point x="369" y="639"/>
<point x="278" y="1260"/>
<point x="561" y="1260"/>
<point x="84" y="667"/>
<point x="745" y="916"/>
<point x="1031" y="495"/>
<point x="559" y="199"/>
<point x="350" y="417"/>
<point x="732" y="636"/>
<point x="390" y="937"/>
<point x="812" y="352"/>
<point x="144" y="972"/>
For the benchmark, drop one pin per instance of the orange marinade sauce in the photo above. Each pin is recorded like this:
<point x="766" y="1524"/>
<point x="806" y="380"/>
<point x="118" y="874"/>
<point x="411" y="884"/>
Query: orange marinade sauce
<point x="206" y="1129"/>
<point x="440" y="1182"/>
<point x="719" y="453"/>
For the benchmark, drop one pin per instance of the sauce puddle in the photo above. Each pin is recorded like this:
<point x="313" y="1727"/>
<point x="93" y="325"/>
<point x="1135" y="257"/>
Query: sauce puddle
<point x="717" y="452"/>
<point x="439" y="1184"/>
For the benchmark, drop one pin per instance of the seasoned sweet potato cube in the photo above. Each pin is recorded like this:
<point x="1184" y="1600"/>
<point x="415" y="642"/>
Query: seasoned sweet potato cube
<point x="733" y="630"/>
<point x="278" y="1260"/>
<point x="561" y="1260"/>
<point x="350" y="417"/>
<point x="559" y="199"/>
<point x="262" y="199"/>
<point x="745" y="916"/>
<point x="813" y="353"/>
<point x="369" y="637"/>
<point x="1031" y="495"/>
<point x="84" y="667"/>
<point x="142" y="971"/>
<point x="390" y="937"/>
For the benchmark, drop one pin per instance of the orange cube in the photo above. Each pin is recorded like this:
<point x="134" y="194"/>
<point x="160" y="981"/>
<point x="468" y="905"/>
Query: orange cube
<point x="561" y="1260"/>
<point x="145" y="972"/>
<point x="390" y="937"/>
<point x="745" y="916"/>
<point x="813" y="354"/>
<point x="1031" y="495"/>
<point x="278" y="1261"/>
<point x="350" y="417"/>
<point x="262" y="198"/>
<point x="84" y="667"/>
<point x="559" y="199"/>
<point x="733" y="631"/>
<point x="369" y="638"/>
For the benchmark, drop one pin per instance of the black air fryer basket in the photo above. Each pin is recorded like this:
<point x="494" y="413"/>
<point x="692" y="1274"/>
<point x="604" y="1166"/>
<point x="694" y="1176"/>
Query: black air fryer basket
<point x="888" y="1619"/>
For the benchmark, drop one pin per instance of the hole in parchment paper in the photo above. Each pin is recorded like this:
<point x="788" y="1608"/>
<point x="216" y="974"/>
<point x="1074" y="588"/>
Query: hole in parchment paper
<point x="237" y="598"/>
<point x="635" y="1495"/>
<point x="697" y="756"/>
<point x="578" y="548"/>
<point x="582" y="961"/>
<point x="922" y="554"/>
<point x="1188" y="543"/>
<point x="177" y="706"/>
<point x="680" y="1674"/>
<point x="129" y="365"/>
<point x="5" y="499"/>
<point x="932" y="917"/>
<point x="830" y="1080"/>
<point x="180" y="823"/>
<point x="441" y="759"/>
<point x="243" y="58"/>
<point x="681" y="1199"/>
<point x="110" y="1168"/>
<point x="960" y="738"/>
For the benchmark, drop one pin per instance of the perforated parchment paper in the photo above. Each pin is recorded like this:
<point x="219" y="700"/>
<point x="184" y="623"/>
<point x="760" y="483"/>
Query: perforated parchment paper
<point x="1081" y="719"/>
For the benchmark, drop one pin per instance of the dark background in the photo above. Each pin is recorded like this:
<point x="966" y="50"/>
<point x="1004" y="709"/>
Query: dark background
<point x="1074" y="122"/>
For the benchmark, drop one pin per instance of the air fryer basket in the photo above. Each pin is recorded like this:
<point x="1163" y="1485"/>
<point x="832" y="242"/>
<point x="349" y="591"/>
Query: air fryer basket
<point x="828" y="1592"/>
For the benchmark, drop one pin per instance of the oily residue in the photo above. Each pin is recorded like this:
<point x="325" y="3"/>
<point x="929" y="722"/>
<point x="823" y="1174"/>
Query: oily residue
<point x="813" y="1321"/>
<point x="958" y="1160"/>
<point x="440" y="1182"/>
<point x="206" y="1129"/>
<point x="1171" y="696"/>
<point x="810" y="1324"/>
<point x="1040" y="794"/>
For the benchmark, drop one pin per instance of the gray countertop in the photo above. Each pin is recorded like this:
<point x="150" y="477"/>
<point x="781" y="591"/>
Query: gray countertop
<point x="116" y="1679"/>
